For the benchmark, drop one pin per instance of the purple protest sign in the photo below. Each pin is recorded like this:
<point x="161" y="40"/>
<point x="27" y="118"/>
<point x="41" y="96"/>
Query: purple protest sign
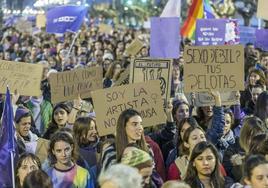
<point x="210" y="32"/>
<point x="165" y="37"/>
<point x="261" y="39"/>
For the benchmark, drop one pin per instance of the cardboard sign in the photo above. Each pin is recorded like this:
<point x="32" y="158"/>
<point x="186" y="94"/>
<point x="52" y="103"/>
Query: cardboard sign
<point x="261" y="39"/>
<point x="41" y="20"/>
<point x="214" y="67"/>
<point x="39" y="148"/>
<point x="104" y="28"/>
<point x="262" y="9"/>
<point x="165" y="37"/>
<point x="143" y="70"/>
<point x="123" y="78"/>
<point x="23" y="77"/>
<point x="134" y="47"/>
<point x="143" y="97"/>
<point x="205" y="99"/>
<point x="68" y="85"/>
<point x="24" y="26"/>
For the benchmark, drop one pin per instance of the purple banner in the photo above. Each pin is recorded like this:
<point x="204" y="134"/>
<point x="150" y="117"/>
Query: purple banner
<point x="261" y="39"/>
<point x="165" y="37"/>
<point x="210" y="32"/>
<point x="247" y="34"/>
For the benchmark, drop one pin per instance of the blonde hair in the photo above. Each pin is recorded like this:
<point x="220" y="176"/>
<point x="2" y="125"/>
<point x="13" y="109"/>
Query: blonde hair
<point x="175" y="184"/>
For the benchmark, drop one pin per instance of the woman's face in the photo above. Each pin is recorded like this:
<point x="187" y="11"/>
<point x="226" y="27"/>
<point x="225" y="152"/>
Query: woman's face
<point x="134" y="129"/>
<point x="228" y="121"/>
<point x="117" y="69"/>
<point x="28" y="165"/>
<point x="205" y="163"/>
<point x="195" y="137"/>
<point x="60" y="116"/>
<point x="182" y="112"/>
<point x="259" y="177"/>
<point x="185" y="126"/>
<point x="92" y="133"/>
<point x="176" y="72"/>
<point x="24" y="126"/>
<point x="208" y="111"/>
<point x="253" y="78"/>
<point x="63" y="153"/>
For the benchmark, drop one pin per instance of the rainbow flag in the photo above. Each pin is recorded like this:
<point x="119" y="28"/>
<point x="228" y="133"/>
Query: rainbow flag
<point x="199" y="9"/>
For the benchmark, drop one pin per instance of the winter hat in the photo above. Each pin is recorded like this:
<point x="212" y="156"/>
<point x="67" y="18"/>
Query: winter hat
<point x="137" y="158"/>
<point x="62" y="105"/>
<point x="21" y="112"/>
<point x="108" y="56"/>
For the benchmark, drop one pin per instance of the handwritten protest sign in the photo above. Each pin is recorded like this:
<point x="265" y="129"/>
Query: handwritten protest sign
<point x="262" y="9"/>
<point x="41" y="20"/>
<point x="68" y="85"/>
<point x="23" y="77"/>
<point x="123" y="78"/>
<point x="144" y="97"/>
<point x="206" y="99"/>
<point x="134" y="47"/>
<point x="104" y="28"/>
<point x="143" y="70"/>
<point x="24" y="26"/>
<point x="214" y="67"/>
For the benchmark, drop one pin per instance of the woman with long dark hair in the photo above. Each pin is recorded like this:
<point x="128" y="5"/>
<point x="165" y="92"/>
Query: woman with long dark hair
<point x="204" y="167"/>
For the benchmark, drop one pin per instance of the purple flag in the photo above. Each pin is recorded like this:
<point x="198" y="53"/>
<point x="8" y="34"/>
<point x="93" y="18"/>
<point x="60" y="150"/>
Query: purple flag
<point x="261" y="39"/>
<point x="65" y="18"/>
<point x="165" y="37"/>
<point x="210" y="32"/>
<point x="7" y="143"/>
<point x="247" y="34"/>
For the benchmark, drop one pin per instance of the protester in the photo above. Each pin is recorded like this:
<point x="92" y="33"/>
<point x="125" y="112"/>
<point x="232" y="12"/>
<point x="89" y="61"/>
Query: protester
<point x="62" y="157"/>
<point x="23" y="119"/>
<point x="27" y="163"/>
<point x="86" y="136"/>
<point x="204" y="167"/>
<point x="120" y="176"/>
<point x="37" y="178"/>
<point x="141" y="160"/>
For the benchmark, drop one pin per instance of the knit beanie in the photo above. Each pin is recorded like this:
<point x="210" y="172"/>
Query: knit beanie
<point x="62" y="105"/>
<point x="135" y="157"/>
<point x="20" y="112"/>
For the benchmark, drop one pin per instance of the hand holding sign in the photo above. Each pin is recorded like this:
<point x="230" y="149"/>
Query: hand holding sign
<point x="217" y="97"/>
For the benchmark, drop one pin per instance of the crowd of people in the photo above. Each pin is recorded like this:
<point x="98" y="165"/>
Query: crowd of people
<point x="199" y="147"/>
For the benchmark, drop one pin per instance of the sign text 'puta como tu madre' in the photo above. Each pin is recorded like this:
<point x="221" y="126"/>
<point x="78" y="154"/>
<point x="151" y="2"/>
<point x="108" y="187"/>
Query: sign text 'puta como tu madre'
<point x="144" y="97"/>
<point x="69" y="84"/>
<point x="214" y="67"/>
